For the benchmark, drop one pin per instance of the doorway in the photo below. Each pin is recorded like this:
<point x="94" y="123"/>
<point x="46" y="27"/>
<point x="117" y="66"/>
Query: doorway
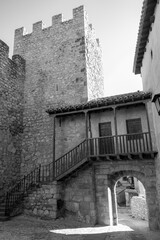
<point x="131" y="198"/>
<point x="106" y="141"/>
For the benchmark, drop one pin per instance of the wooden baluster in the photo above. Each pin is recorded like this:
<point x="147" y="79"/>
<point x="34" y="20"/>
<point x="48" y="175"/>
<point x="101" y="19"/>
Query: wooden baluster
<point x="94" y="146"/>
<point x="71" y="156"/>
<point x="81" y="157"/>
<point x="66" y="159"/>
<point x="143" y="141"/>
<point x="134" y="141"/>
<point x="136" y="144"/>
<point x="62" y="169"/>
<point x="147" y="144"/>
<point x="122" y="144"/>
<point x="140" y="144"/>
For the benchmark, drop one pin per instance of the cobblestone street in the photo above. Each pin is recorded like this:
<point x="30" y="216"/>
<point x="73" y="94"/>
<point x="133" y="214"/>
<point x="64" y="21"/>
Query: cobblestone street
<point x="29" y="228"/>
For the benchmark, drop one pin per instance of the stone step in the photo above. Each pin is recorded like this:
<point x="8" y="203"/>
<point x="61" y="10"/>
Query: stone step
<point x="4" y="218"/>
<point x="2" y="209"/>
<point x="2" y="213"/>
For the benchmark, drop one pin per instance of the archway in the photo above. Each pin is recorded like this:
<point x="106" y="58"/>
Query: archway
<point x="112" y="183"/>
<point x="130" y="196"/>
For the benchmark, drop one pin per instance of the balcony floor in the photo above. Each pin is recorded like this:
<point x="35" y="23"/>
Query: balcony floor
<point x="124" y="156"/>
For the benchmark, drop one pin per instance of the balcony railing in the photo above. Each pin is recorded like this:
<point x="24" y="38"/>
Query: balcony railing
<point x="120" y="144"/>
<point x="113" y="145"/>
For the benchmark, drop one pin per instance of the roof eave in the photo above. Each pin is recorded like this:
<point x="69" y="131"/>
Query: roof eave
<point x="146" y="20"/>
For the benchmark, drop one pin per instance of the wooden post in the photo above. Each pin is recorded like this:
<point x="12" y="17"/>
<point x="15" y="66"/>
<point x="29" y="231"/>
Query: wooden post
<point x="54" y="133"/>
<point x="149" y="130"/>
<point x="90" y="128"/>
<point x="115" y="125"/>
<point x="86" y="123"/>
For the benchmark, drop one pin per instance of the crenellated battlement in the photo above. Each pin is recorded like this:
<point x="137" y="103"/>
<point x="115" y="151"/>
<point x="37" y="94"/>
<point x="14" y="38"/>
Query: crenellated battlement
<point x="4" y="49"/>
<point x="57" y="21"/>
<point x="17" y="61"/>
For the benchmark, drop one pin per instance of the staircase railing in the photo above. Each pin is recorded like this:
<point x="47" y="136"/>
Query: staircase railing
<point x="45" y="173"/>
<point x="66" y="162"/>
<point x="121" y="144"/>
<point x="20" y="189"/>
<point x="108" y="145"/>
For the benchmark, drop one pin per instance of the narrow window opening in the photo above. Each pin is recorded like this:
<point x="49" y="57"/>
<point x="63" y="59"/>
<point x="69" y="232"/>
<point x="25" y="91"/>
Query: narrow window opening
<point x="151" y="54"/>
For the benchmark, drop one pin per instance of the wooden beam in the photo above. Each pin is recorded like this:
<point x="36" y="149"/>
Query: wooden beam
<point x="86" y="123"/>
<point x="115" y="125"/>
<point x="149" y="130"/>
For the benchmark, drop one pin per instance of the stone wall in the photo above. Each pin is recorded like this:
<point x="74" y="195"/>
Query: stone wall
<point x="70" y="131"/>
<point x="78" y="195"/>
<point x="94" y="67"/>
<point x="56" y="75"/>
<point x="139" y="208"/>
<point x="43" y="201"/>
<point x="110" y="173"/>
<point x="12" y="75"/>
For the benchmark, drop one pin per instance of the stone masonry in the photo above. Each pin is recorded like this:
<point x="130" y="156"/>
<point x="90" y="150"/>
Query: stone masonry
<point x="139" y="208"/>
<point x="43" y="201"/>
<point x="63" y="66"/>
<point x="58" y="66"/>
<point x="12" y="76"/>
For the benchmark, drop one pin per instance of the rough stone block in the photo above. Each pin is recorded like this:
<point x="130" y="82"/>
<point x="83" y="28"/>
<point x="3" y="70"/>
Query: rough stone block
<point x="139" y="208"/>
<point x="84" y="208"/>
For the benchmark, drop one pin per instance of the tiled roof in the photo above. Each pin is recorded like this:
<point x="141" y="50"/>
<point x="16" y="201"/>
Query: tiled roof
<point x="147" y="18"/>
<point x="102" y="102"/>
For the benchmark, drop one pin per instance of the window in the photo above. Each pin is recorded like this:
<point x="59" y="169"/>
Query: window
<point x="105" y="129"/>
<point x="134" y="126"/>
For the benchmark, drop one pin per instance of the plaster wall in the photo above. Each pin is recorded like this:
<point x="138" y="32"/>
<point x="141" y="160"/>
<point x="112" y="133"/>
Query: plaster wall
<point x="150" y="72"/>
<point x="71" y="129"/>
<point x="122" y="115"/>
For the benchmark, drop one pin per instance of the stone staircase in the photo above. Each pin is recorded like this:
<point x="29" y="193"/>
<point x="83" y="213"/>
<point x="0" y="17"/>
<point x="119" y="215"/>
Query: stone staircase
<point x="63" y="168"/>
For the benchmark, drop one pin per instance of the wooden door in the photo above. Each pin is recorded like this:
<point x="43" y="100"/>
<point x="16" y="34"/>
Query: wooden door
<point x="106" y="144"/>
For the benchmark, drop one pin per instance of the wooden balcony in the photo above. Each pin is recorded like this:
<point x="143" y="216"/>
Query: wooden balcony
<point x="121" y="147"/>
<point x="113" y="148"/>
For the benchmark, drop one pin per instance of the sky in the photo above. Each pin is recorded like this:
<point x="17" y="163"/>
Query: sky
<point x="116" y="23"/>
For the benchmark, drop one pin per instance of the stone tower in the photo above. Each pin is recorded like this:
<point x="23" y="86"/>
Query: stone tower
<point x="63" y="66"/>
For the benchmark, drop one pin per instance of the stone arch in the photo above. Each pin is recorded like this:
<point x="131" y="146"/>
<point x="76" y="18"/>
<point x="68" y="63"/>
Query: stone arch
<point x="151" y="194"/>
<point x="113" y="177"/>
<point x="106" y="177"/>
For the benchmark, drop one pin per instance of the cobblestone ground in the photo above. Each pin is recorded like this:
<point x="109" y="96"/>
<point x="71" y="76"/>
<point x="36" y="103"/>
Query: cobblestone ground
<point x="30" y="228"/>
